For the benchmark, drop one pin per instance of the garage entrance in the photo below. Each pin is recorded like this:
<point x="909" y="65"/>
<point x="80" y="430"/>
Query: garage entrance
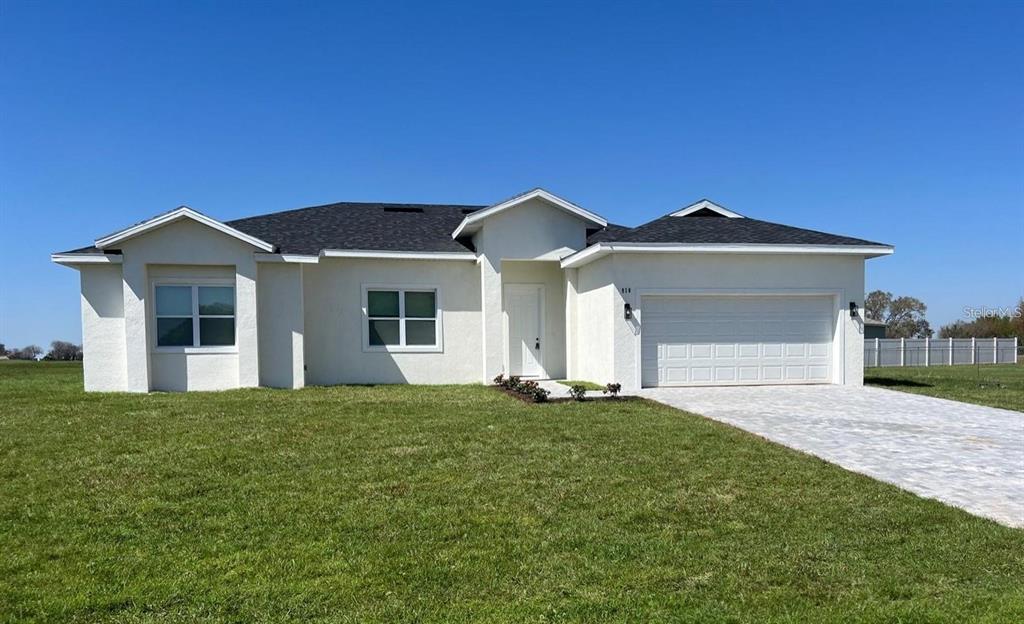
<point x="702" y="340"/>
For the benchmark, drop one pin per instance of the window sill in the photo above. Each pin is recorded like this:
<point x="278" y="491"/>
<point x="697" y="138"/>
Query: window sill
<point x="197" y="350"/>
<point x="406" y="349"/>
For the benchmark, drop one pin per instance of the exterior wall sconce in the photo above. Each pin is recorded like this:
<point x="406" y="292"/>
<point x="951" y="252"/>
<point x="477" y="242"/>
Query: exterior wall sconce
<point x="627" y="311"/>
<point x="853" y="309"/>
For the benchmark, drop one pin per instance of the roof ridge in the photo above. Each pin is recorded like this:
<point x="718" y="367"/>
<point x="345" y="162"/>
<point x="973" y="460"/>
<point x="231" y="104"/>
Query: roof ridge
<point x="359" y="204"/>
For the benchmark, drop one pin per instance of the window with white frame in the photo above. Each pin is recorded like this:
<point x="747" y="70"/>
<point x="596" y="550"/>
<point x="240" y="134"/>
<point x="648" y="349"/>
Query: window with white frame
<point x="189" y="315"/>
<point x="401" y="318"/>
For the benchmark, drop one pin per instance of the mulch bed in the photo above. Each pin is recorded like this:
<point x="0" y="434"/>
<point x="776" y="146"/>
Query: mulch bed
<point x="526" y="399"/>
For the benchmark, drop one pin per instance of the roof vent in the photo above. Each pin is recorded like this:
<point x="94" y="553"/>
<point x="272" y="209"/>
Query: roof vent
<point x="402" y="209"/>
<point x="706" y="208"/>
<point x="706" y="212"/>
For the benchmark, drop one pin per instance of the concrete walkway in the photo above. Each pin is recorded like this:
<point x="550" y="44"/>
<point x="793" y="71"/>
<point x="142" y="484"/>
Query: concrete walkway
<point x="964" y="455"/>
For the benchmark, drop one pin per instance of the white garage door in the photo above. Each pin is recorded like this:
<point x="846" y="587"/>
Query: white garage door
<point x="722" y="340"/>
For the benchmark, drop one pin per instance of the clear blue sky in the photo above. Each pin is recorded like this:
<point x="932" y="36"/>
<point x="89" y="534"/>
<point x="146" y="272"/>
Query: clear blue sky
<point x="901" y="123"/>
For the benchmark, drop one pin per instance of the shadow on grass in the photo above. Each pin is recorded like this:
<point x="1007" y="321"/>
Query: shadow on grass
<point x="890" y="382"/>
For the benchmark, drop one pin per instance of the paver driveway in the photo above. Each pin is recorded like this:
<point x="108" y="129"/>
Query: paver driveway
<point x="964" y="455"/>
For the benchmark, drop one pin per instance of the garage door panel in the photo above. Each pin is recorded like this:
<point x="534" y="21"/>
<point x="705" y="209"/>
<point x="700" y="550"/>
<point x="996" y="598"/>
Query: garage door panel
<point x="725" y="350"/>
<point x="674" y="374"/>
<point x="796" y="349"/>
<point x="702" y="340"/>
<point x="725" y="373"/>
<point x="796" y="373"/>
<point x="771" y="350"/>
<point x="817" y="373"/>
<point x="700" y="374"/>
<point x="676" y="351"/>
<point x="698" y="351"/>
<point x="749" y="373"/>
<point x="749" y="350"/>
<point x="818" y="349"/>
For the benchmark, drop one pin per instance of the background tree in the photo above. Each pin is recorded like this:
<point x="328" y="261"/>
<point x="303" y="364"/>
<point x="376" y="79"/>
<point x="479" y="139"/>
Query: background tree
<point x="3" y="350"/>
<point x="992" y="326"/>
<point x="64" y="351"/>
<point x="903" y="316"/>
<point x="30" y="352"/>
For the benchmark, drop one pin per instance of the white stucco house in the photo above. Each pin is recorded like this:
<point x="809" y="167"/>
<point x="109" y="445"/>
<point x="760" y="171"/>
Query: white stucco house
<point x="357" y="293"/>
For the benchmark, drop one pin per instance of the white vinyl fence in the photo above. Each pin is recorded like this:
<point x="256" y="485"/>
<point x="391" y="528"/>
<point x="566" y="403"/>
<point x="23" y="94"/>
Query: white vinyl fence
<point x="939" y="351"/>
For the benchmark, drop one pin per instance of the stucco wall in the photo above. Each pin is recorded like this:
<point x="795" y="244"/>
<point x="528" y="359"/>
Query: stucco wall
<point x="548" y="274"/>
<point x="334" y="322"/>
<point x="532" y="230"/>
<point x="595" y="312"/>
<point x="103" y="328"/>
<point x="571" y="277"/>
<point x="190" y="246"/>
<point x="639" y="272"/>
<point x="281" y="323"/>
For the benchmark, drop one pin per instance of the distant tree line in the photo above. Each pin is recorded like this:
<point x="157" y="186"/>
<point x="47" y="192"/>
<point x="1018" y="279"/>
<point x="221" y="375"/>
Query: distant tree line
<point x="60" y="351"/>
<point x="988" y="326"/>
<point x="904" y="317"/>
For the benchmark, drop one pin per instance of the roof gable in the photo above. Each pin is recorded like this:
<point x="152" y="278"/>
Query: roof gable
<point x="706" y="208"/>
<point x="472" y="221"/>
<point x="182" y="212"/>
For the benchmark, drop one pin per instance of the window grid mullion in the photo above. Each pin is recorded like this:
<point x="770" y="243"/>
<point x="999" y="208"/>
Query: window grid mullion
<point x="401" y="318"/>
<point x="195" y="316"/>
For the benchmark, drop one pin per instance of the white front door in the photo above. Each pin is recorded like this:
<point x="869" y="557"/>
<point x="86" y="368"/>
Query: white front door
<point x="523" y="306"/>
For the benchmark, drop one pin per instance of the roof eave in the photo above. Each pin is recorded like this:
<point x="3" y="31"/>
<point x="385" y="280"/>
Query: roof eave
<point x="381" y="254"/>
<point x="74" y="260"/>
<point x="597" y="250"/>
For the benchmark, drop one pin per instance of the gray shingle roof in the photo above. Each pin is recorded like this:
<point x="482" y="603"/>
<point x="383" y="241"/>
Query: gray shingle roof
<point x="694" y="229"/>
<point x="429" y="227"/>
<point x="370" y="226"/>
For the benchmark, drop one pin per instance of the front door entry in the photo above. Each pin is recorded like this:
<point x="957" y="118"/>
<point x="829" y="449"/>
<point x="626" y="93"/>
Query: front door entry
<point x="524" y="305"/>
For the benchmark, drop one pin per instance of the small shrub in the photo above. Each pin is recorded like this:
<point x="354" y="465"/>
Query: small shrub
<point x="527" y="389"/>
<point x="532" y="389"/>
<point x="578" y="392"/>
<point x="612" y="389"/>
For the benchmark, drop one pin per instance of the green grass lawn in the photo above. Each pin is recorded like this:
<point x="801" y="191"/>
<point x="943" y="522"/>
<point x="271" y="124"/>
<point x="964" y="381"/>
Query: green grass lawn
<point x="589" y="385"/>
<point x="458" y="503"/>
<point x="996" y="385"/>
